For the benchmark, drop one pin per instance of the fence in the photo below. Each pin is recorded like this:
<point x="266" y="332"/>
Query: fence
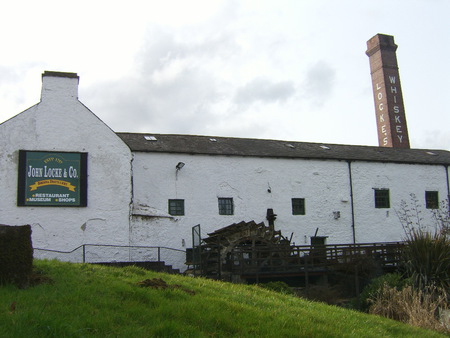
<point x="98" y="253"/>
<point x="265" y="261"/>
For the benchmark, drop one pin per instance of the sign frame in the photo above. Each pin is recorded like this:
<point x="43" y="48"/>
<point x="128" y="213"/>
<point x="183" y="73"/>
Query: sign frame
<point x="52" y="179"/>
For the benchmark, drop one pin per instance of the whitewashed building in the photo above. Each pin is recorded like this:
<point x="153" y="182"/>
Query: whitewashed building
<point x="349" y="194"/>
<point x="60" y="126"/>
<point x="77" y="182"/>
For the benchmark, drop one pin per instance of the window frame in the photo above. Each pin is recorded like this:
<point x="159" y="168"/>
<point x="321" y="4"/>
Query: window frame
<point x="226" y="205"/>
<point x="432" y="199"/>
<point x="176" y="207"/>
<point x="382" y="202"/>
<point x="300" y="208"/>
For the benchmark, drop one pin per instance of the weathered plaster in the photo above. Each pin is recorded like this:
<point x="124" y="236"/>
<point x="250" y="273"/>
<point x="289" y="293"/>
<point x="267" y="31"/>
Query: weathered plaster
<point x="61" y="123"/>
<point x="257" y="184"/>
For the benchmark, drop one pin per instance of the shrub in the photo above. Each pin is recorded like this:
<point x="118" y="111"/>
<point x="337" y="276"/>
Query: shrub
<point x="427" y="253"/>
<point x="277" y="286"/>
<point x="427" y="264"/>
<point x="377" y="285"/>
<point x="427" y="259"/>
<point x="327" y="294"/>
<point x="411" y="306"/>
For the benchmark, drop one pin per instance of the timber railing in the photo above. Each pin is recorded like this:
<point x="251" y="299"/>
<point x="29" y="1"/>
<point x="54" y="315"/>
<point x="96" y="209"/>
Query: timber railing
<point x="261" y="260"/>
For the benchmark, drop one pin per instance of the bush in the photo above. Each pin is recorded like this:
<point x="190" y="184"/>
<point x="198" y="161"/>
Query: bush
<point x="327" y="294"/>
<point x="427" y="253"/>
<point x="377" y="286"/>
<point x="278" y="286"/>
<point x="427" y="259"/>
<point x="411" y="306"/>
<point x="427" y="264"/>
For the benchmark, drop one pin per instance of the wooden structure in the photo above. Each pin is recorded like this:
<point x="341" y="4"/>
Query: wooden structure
<point x="218" y="249"/>
<point x="253" y="251"/>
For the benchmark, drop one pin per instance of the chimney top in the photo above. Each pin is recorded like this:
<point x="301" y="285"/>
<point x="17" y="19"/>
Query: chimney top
<point x="59" y="85"/>
<point x="60" y="74"/>
<point x="381" y="42"/>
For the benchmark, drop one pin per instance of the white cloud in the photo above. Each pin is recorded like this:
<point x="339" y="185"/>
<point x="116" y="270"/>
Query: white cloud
<point x="287" y="69"/>
<point x="320" y="79"/>
<point x="264" y="90"/>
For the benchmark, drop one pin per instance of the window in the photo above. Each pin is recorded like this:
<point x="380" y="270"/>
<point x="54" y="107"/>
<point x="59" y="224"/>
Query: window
<point x="432" y="199"/>
<point x="226" y="206"/>
<point x="176" y="207"/>
<point x="298" y="206"/>
<point x="382" y="198"/>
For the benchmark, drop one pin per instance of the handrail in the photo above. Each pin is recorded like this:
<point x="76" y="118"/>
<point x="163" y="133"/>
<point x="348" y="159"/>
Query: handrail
<point x="83" y="246"/>
<point x="263" y="259"/>
<point x="112" y="245"/>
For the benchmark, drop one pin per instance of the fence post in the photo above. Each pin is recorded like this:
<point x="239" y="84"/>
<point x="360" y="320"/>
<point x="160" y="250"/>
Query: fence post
<point x="84" y="253"/>
<point x="358" y="298"/>
<point x="159" y="254"/>
<point x="306" y="274"/>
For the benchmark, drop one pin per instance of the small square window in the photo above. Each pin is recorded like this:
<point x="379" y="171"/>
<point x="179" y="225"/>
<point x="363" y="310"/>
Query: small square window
<point x="432" y="199"/>
<point x="226" y="206"/>
<point x="176" y="207"/>
<point x="298" y="206"/>
<point x="382" y="198"/>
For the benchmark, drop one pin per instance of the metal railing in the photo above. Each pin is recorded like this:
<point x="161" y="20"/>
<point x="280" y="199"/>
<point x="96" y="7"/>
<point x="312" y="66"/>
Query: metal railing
<point x="96" y="253"/>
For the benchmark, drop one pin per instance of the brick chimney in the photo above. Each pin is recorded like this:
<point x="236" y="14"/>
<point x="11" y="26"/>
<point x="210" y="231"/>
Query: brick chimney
<point x="56" y="85"/>
<point x="387" y="92"/>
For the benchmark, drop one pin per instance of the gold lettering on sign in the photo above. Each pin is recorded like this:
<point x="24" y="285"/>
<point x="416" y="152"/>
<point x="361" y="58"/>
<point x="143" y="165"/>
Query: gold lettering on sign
<point x="61" y="183"/>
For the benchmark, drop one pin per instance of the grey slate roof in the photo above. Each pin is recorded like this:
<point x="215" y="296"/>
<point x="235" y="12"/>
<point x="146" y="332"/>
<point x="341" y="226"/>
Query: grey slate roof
<point x="230" y="146"/>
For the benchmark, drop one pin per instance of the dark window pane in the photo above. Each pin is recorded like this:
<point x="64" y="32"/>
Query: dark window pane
<point x="382" y="198"/>
<point x="226" y="206"/>
<point x="432" y="199"/>
<point x="176" y="207"/>
<point x="298" y="206"/>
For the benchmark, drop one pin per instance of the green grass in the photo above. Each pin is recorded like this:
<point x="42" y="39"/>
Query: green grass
<point x="88" y="300"/>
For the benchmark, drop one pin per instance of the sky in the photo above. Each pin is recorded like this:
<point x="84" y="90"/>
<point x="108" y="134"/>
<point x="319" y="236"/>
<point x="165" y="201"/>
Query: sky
<point x="291" y="70"/>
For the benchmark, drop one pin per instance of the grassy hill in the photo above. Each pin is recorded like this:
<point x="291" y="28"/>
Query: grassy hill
<point x="82" y="300"/>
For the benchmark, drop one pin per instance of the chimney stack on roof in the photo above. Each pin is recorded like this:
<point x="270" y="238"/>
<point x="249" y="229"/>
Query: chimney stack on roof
<point x="59" y="85"/>
<point x="387" y="92"/>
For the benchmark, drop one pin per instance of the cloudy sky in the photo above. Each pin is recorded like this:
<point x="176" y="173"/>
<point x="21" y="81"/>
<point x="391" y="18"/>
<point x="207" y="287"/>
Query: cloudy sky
<point x="286" y="69"/>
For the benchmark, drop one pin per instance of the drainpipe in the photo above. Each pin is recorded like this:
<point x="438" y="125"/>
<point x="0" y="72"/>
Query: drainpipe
<point x="351" y="199"/>
<point x="448" y="187"/>
<point x="130" y="208"/>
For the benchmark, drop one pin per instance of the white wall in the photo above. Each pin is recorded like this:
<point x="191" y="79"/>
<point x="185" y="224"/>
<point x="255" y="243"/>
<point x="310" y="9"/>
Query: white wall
<point x="325" y="185"/>
<point x="61" y="123"/>
<point x="402" y="180"/>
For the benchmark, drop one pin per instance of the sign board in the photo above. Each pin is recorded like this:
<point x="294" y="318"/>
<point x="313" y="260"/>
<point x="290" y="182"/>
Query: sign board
<point x="52" y="179"/>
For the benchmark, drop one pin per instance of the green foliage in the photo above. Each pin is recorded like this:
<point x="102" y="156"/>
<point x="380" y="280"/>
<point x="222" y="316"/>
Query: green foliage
<point x="413" y="306"/>
<point x="278" y="286"/>
<point x="377" y="285"/>
<point x="427" y="253"/>
<point x="85" y="300"/>
<point x="427" y="259"/>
